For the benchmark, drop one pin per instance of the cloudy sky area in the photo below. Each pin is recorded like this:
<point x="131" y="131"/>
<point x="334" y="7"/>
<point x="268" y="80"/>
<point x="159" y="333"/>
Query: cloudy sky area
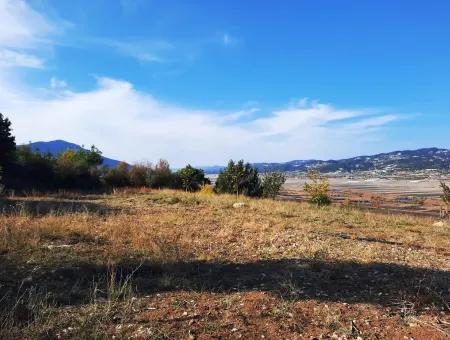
<point x="203" y="82"/>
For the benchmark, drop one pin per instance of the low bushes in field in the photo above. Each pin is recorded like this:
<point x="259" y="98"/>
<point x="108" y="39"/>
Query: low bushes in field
<point x="318" y="188"/>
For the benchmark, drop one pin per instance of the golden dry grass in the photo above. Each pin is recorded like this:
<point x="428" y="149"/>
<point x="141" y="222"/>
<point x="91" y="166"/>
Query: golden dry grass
<point x="170" y="227"/>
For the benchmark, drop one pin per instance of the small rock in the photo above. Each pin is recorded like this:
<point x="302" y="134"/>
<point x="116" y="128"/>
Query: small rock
<point x="238" y="205"/>
<point x="438" y="224"/>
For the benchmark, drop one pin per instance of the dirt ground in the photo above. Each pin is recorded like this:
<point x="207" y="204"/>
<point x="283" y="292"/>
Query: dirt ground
<point x="414" y="196"/>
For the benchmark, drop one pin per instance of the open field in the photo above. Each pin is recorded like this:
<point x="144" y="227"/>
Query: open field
<point x="392" y="195"/>
<point x="165" y="264"/>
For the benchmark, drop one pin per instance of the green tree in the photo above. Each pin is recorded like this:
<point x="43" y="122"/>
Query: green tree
<point x="192" y="178"/>
<point x="239" y="178"/>
<point x="79" y="169"/>
<point x="33" y="170"/>
<point x="7" y="145"/>
<point x="118" y="176"/>
<point x="272" y="183"/>
<point x="318" y="188"/>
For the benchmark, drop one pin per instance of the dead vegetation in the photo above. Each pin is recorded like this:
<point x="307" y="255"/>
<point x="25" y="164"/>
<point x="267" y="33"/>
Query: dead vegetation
<point x="167" y="264"/>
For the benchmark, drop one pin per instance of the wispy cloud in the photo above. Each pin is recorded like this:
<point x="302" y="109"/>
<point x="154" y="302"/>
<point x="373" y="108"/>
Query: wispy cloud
<point x="133" y="125"/>
<point x="24" y="33"/>
<point x="11" y="58"/>
<point x="143" y="50"/>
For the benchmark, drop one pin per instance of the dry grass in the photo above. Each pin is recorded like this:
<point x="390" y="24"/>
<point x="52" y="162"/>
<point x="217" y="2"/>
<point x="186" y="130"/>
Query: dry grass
<point x="152" y="236"/>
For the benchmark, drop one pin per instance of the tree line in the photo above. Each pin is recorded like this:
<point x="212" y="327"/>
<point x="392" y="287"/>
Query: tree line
<point x="24" y="170"/>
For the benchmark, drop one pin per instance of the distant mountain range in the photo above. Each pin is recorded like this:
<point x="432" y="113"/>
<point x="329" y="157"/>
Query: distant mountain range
<point x="57" y="146"/>
<point x="421" y="159"/>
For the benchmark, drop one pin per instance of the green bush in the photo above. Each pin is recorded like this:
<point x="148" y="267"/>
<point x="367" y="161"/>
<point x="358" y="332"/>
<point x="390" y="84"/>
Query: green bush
<point x="239" y="178"/>
<point x="118" y="176"/>
<point x="272" y="183"/>
<point x="79" y="169"/>
<point x="318" y="188"/>
<point x="192" y="179"/>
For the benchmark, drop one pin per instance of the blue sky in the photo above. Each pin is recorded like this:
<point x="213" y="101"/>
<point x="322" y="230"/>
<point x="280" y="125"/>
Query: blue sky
<point x="205" y="81"/>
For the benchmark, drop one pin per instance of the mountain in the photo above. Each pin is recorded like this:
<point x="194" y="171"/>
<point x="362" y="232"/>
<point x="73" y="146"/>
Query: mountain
<point x="421" y="159"/>
<point x="57" y="146"/>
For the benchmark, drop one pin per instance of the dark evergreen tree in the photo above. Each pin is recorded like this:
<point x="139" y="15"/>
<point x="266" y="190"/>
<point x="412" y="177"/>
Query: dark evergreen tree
<point x="7" y="145"/>
<point x="239" y="178"/>
<point x="191" y="178"/>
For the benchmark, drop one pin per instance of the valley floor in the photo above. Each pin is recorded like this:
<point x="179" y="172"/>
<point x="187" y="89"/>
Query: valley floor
<point x="174" y="265"/>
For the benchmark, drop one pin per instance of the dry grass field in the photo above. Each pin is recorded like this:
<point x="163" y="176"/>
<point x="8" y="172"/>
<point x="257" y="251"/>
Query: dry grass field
<point x="174" y="265"/>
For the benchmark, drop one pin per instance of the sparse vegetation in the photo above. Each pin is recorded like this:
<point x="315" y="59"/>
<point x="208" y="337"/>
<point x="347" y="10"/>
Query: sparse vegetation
<point x="145" y="264"/>
<point x="239" y="178"/>
<point x="445" y="193"/>
<point x="272" y="183"/>
<point x="318" y="188"/>
<point x="192" y="179"/>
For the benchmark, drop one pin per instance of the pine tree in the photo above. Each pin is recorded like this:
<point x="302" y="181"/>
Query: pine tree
<point x="7" y="144"/>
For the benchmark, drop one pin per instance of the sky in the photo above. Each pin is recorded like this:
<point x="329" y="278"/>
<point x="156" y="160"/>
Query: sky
<point x="202" y="82"/>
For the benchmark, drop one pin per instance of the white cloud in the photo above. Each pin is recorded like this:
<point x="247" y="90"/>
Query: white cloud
<point x="228" y="40"/>
<point x="56" y="83"/>
<point x="133" y="125"/>
<point x="23" y="33"/>
<point x="9" y="58"/>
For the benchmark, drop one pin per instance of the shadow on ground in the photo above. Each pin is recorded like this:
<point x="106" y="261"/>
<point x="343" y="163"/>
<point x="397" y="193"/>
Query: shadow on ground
<point x="36" y="207"/>
<point x="294" y="279"/>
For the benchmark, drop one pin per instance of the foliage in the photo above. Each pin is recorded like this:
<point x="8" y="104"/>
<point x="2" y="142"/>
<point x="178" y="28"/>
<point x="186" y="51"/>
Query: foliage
<point x="445" y="193"/>
<point x="7" y="144"/>
<point x="318" y="188"/>
<point x="207" y="189"/>
<point x="79" y="169"/>
<point x="192" y="178"/>
<point x="139" y="174"/>
<point x="239" y="178"/>
<point x="34" y="170"/>
<point x="160" y="176"/>
<point x="272" y="183"/>
<point x="118" y="176"/>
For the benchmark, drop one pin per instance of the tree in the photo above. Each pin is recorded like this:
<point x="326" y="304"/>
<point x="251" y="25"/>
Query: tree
<point x="33" y="170"/>
<point x="160" y="176"/>
<point x="272" y="183"/>
<point x="191" y="178"/>
<point x="139" y="174"/>
<point x="79" y="168"/>
<point x="239" y="178"/>
<point x="445" y="193"/>
<point x="118" y="176"/>
<point x="7" y="145"/>
<point x="318" y="188"/>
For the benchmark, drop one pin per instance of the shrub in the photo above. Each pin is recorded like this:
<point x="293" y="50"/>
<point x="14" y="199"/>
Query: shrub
<point x="445" y="193"/>
<point x="272" y="183"/>
<point x="118" y="176"/>
<point x="207" y="189"/>
<point x="139" y="174"/>
<point x="192" y="179"/>
<point x="318" y="189"/>
<point x="33" y="170"/>
<point x="160" y="176"/>
<point x="239" y="178"/>
<point x="79" y="169"/>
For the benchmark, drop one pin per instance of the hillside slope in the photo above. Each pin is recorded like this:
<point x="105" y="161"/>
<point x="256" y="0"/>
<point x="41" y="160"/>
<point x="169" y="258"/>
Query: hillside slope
<point x="57" y="146"/>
